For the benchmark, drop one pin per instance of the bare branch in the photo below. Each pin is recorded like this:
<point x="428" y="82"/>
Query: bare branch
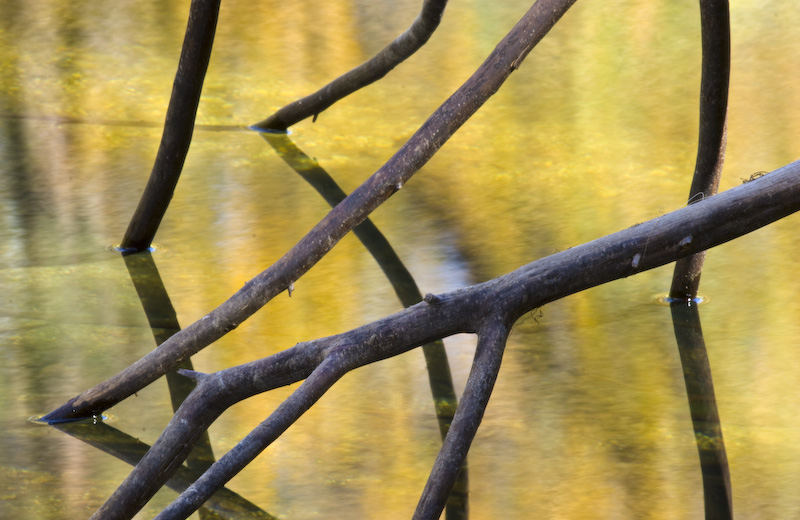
<point x="716" y="67"/>
<point x="327" y="233"/>
<point x="372" y="70"/>
<point x="335" y="365"/>
<point x="488" y="355"/>
<point x="683" y="232"/>
<point x="178" y="127"/>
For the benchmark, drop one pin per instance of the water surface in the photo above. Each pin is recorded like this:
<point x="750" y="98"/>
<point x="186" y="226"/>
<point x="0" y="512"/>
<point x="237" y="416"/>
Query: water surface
<point x="594" y="133"/>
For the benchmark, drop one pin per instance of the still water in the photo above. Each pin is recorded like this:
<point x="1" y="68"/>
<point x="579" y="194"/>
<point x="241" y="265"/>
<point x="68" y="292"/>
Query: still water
<point x="594" y="133"/>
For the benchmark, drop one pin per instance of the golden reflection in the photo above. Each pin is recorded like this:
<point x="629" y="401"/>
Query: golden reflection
<point x="595" y="132"/>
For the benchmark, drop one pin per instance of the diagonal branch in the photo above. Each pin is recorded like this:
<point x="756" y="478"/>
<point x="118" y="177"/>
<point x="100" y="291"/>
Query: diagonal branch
<point x="334" y="366"/>
<point x="368" y="72"/>
<point x="488" y="355"/>
<point x="436" y="362"/>
<point x="444" y="122"/>
<point x="224" y="504"/>
<point x="686" y="231"/>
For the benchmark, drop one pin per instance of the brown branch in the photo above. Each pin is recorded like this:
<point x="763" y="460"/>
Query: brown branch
<point x="368" y="72"/>
<point x="341" y="220"/>
<point x="686" y="231"/>
<point x="178" y="126"/>
<point x="405" y="287"/>
<point x="715" y="77"/>
<point x="335" y="365"/>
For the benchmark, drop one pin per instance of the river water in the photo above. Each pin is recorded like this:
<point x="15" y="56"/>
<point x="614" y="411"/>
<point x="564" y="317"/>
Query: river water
<point x="595" y="132"/>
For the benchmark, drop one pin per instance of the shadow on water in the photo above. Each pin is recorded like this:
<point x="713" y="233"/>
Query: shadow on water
<point x="439" y="376"/>
<point x="224" y="504"/>
<point x="163" y="322"/>
<point x="69" y="120"/>
<point x="703" y="409"/>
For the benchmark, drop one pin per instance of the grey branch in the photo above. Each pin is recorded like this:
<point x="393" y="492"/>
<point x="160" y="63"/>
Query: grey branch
<point x="353" y="210"/>
<point x="475" y="309"/>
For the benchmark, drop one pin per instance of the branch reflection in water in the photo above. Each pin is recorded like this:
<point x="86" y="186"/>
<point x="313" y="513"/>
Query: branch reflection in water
<point x="441" y="381"/>
<point x="703" y="409"/>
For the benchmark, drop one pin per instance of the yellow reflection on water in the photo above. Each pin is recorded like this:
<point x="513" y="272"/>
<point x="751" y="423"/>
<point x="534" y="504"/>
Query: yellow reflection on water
<point x="594" y="133"/>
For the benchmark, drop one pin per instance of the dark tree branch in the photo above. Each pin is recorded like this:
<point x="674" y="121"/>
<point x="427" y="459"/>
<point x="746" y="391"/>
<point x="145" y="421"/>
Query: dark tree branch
<point x="178" y="127"/>
<point x="686" y="231"/>
<point x="488" y="355"/>
<point x="715" y="20"/>
<point x="368" y="72"/>
<point x="384" y="254"/>
<point x="341" y="220"/>
<point x="439" y="377"/>
<point x="164" y="323"/>
<point x="716" y="42"/>
<point x="335" y="365"/>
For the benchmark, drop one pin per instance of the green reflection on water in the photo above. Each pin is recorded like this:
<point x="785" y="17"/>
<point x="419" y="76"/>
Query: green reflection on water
<point x="595" y="132"/>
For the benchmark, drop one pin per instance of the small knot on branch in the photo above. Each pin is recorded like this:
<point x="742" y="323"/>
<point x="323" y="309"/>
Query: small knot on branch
<point x="431" y="299"/>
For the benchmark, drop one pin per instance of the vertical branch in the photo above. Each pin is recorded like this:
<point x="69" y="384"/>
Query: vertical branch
<point x="488" y="355"/>
<point x="368" y="72"/>
<point x="716" y="42"/>
<point x="715" y="20"/>
<point x="178" y="127"/>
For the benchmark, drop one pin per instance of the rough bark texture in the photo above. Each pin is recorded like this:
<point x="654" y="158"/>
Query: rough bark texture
<point x="488" y="309"/>
<point x="683" y="232"/>
<point x="395" y="53"/>
<point x="341" y="220"/>
<point x="436" y="362"/>
<point x="482" y="377"/>
<point x="178" y="127"/>
<point x="716" y="43"/>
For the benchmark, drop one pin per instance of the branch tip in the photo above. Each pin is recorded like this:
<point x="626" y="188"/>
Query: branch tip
<point x="192" y="374"/>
